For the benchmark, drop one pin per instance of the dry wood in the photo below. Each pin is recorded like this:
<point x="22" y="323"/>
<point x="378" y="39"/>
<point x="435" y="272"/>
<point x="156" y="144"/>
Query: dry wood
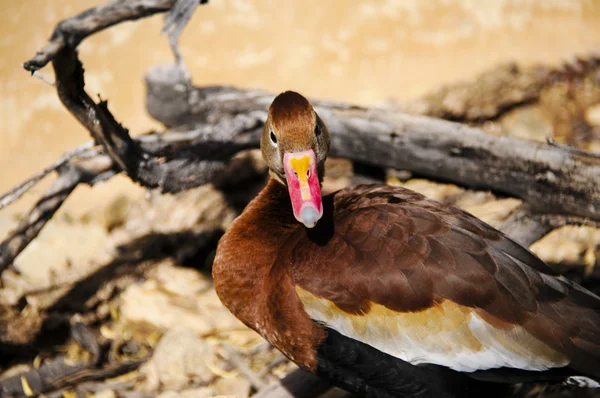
<point x="549" y="178"/>
<point x="18" y="191"/>
<point x="526" y="226"/>
<point x="57" y="374"/>
<point x="558" y="184"/>
<point x="71" y="31"/>
<point x="70" y="175"/>
<point x="238" y="362"/>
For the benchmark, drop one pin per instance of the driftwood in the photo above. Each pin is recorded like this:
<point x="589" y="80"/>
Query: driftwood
<point x="558" y="184"/>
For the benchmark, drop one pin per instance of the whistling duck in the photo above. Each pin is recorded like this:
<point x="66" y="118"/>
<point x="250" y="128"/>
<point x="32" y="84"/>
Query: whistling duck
<point x="387" y="293"/>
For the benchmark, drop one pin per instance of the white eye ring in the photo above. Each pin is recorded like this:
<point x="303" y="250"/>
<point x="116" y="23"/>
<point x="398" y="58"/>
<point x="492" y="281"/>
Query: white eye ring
<point x="273" y="138"/>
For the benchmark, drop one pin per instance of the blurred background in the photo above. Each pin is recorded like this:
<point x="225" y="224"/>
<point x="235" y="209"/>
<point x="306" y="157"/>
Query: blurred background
<point x="362" y="52"/>
<point x="134" y="266"/>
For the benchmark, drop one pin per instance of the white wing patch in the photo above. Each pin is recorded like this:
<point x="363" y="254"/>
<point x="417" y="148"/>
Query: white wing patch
<point x="447" y="334"/>
<point x="582" y="381"/>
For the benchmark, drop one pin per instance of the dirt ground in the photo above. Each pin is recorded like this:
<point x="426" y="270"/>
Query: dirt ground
<point x="135" y="265"/>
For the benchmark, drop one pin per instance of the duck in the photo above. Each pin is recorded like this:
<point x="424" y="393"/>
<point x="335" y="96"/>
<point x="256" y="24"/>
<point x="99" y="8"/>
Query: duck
<point x="386" y="293"/>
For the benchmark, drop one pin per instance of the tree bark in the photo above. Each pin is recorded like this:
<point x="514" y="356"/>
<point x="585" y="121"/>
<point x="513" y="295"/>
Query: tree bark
<point x="209" y="125"/>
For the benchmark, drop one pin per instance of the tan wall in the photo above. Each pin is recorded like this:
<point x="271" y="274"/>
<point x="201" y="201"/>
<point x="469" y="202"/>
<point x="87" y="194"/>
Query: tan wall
<point x="349" y="50"/>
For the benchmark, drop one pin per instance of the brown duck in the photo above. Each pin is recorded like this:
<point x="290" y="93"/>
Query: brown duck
<point x="386" y="293"/>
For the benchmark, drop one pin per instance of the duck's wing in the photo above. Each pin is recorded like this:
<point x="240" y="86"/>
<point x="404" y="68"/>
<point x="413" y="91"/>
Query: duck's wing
<point x="429" y="283"/>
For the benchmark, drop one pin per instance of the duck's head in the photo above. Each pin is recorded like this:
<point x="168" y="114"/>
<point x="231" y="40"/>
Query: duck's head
<point x="295" y="143"/>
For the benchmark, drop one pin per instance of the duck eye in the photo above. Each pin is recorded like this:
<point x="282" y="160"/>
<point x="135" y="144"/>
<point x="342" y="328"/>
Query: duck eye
<point x="273" y="138"/>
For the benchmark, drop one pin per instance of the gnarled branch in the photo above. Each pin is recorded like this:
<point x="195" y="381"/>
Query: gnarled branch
<point x="217" y="122"/>
<point x="221" y="121"/>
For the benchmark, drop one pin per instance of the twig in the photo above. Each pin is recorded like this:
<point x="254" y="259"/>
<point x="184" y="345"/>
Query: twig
<point x="18" y="191"/>
<point x="238" y="362"/>
<point x="524" y="227"/>
<point x="170" y="172"/>
<point x="43" y="78"/>
<point x="178" y="17"/>
<point x="29" y="227"/>
<point x="297" y="384"/>
<point x="210" y="159"/>
<point x="271" y="365"/>
<point x="56" y="375"/>
<point x="176" y="20"/>
<point x="527" y="227"/>
<point x="572" y="149"/>
<point x="70" y="32"/>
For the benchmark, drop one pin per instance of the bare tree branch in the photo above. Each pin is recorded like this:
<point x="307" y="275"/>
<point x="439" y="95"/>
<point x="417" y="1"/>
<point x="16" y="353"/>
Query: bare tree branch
<point x="71" y="31"/>
<point x="18" y="191"/>
<point x="550" y="178"/>
<point x="43" y="78"/>
<point x="30" y="226"/>
<point x="527" y="227"/>
<point x="217" y="122"/>
<point x="572" y="149"/>
<point x="58" y="374"/>
<point x="178" y="17"/>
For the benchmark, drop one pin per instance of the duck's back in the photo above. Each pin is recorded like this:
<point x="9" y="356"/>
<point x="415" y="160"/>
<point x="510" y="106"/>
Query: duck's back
<point x="429" y="283"/>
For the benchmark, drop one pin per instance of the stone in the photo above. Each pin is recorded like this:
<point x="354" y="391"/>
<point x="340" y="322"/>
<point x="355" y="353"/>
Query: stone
<point x="62" y="248"/>
<point x="592" y="115"/>
<point x="528" y="123"/>
<point x="179" y="360"/>
<point x="149" y="303"/>
<point x="105" y="394"/>
<point x="179" y="296"/>
<point x="202" y="392"/>
<point x="180" y="281"/>
<point x="238" y="387"/>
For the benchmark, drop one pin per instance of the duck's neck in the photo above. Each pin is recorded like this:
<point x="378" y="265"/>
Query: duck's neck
<point x="272" y="206"/>
<point x="257" y="288"/>
<point x="246" y="252"/>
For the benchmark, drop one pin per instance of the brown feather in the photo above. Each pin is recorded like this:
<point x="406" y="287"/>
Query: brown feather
<point x="425" y="253"/>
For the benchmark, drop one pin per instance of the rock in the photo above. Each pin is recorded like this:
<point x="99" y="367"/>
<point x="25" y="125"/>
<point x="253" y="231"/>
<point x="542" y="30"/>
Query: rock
<point x="202" y="392"/>
<point x="199" y="209"/>
<point x="528" y="123"/>
<point x="105" y="394"/>
<point x="220" y="318"/>
<point x="179" y="280"/>
<point x="592" y="115"/>
<point x="224" y="396"/>
<point x="179" y="359"/>
<point x="570" y="244"/>
<point x="428" y="188"/>
<point x="484" y="98"/>
<point x="62" y="250"/>
<point x="237" y="387"/>
<point x="170" y="394"/>
<point x="176" y="296"/>
<point x="148" y="303"/>
<point x="115" y="214"/>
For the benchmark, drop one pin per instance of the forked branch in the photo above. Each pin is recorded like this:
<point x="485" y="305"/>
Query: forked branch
<point x="220" y="121"/>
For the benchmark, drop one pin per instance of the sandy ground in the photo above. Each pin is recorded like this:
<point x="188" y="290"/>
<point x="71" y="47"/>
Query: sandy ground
<point x="366" y="53"/>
